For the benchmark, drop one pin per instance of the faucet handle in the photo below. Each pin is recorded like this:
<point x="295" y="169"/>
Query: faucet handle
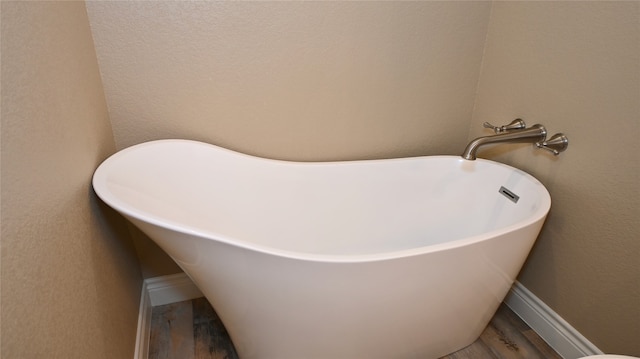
<point x="516" y="124"/>
<point x="556" y="144"/>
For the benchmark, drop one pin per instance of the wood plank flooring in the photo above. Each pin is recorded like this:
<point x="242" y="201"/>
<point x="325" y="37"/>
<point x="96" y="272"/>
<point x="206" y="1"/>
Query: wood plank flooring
<point x="192" y="330"/>
<point x="188" y="330"/>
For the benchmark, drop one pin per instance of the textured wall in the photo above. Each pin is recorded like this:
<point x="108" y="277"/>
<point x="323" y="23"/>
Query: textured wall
<point x="575" y="67"/>
<point x="357" y="80"/>
<point x="70" y="284"/>
<point x="290" y="80"/>
<point x="293" y="80"/>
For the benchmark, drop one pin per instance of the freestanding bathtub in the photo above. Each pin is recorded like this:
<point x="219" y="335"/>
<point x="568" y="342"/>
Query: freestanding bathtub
<point x="394" y="258"/>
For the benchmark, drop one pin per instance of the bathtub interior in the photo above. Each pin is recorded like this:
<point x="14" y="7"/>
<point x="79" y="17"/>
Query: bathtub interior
<point x="324" y="208"/>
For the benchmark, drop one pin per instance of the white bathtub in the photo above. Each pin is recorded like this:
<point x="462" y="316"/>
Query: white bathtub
<point x="396" y="258"/>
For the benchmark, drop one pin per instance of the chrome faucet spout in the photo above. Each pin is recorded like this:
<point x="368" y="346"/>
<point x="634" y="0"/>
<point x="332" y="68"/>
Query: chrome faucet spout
<point x="533" y="134"/>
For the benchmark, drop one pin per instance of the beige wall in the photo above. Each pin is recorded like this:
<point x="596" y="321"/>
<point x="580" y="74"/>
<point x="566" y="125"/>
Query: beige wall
<point x="312" y="81"/>
<point x="293" y="80"/>
<point x="70" y="280"/>
<point x="575" y="67"/>
<point x="290" y="80"/>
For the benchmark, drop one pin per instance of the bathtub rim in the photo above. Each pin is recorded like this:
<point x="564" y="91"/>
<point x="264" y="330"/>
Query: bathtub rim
<point x="100" y="187"/>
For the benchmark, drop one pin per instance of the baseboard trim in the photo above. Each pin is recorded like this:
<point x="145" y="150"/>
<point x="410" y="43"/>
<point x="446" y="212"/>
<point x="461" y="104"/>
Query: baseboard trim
<point x="171" y="289"/>
<point x="559" y="334"/>
<point x="144" y="325"/>
<point x="160" y="291"/>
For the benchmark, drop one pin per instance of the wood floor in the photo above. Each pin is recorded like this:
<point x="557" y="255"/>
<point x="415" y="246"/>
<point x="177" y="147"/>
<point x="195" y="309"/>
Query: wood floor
<point x="192" y="330"/>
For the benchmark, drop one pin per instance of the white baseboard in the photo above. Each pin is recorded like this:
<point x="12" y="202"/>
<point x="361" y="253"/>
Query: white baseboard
<point x="144" y="324"/>
<point x="554" y="330"/>
<point x="160" y="291"/>
<point x="559" y="334"/>
<point x="171" y="289"/>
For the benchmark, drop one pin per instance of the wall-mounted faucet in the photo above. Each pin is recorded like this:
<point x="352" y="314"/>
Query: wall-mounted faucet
<point x="556" y="144"/>
<point x="516" y="124"/>
<point x="516" y="131"/>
